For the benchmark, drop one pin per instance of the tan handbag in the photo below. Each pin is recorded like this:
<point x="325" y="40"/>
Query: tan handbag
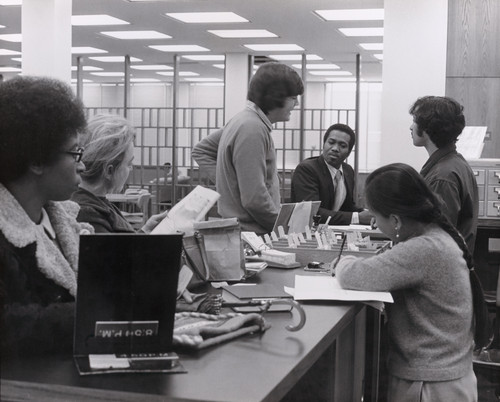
<point x="224" y="249"/>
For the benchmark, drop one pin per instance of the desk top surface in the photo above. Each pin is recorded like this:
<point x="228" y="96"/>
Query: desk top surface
<point x="257" y="367"/>
<point x="119" y="197"/>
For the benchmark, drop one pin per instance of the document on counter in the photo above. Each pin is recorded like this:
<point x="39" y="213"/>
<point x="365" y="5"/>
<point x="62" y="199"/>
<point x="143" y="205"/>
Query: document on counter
<point x="328" y="288"/>
<point x="192" y="208"/>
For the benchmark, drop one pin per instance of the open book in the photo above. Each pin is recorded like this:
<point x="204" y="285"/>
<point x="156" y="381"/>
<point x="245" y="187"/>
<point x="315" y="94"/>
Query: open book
<point x="192" y="208"/>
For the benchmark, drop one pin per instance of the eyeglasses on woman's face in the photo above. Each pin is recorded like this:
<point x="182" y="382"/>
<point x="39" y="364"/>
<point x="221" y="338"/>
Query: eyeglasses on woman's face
<point x="77" y="153"/>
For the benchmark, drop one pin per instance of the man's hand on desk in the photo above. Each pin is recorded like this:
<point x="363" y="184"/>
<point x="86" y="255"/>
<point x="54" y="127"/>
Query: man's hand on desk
<point x="365" y="217"/>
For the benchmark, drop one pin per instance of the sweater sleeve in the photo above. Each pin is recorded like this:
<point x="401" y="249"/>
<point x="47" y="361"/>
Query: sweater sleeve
<point x="205" y="153"/>
<point x="394" y="269"/>
<point x="251" y="150"/>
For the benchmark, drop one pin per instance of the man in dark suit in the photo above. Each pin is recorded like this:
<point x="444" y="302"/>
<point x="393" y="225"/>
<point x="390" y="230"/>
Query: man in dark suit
<point x="328" y="179"/>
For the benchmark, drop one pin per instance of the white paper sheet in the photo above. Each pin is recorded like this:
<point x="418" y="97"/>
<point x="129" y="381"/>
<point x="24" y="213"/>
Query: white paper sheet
<point x="108" y="362"/>
<point x="192" y="208"/>
<point x="328" y="288"/>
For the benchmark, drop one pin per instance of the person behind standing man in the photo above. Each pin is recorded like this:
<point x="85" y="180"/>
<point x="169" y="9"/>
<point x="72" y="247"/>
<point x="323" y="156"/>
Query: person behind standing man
<point x="205" y="155"/>
<point x="438" y="310"/>
<point x="437" y="123"/>
<point x="40" y="167"/>
<point x="109" y="153"/>
<point x="327" y="178"/>
<point x="246" y="172"/>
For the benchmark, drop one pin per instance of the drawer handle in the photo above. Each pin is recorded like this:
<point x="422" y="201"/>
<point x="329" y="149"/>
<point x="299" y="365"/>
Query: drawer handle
<point x="476" y="172"/>
<point x="497" y="175"/>
<point x="497" y="206"/>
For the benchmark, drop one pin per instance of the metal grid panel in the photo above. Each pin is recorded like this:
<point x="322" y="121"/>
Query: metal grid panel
<point x="153" y="144"/>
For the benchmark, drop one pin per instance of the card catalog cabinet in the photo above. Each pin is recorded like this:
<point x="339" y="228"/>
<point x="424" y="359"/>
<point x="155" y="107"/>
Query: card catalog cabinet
<point x="487" y="172"/>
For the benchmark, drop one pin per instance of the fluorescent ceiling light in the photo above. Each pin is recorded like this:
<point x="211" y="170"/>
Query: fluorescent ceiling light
<point x="75" y="80"/>
<point x="86" y="68"/>
<point x="293" y="57"/>
<point x="2" y="26"/>
<point x="152" y="83"/>
<point x="207" y="57"/>
<point x="329" y="66"/>
<point x="86" y="50"/>
<point x="372" y="46"/>
<point x="288" y="47"/>
<point x="11" y="2"/>
<point x="341" y="79"/>
<point x="330" y="73"/>
<point x="19" y="59"/>
<point x="109" y="74"/>
<point x="242" y="33"/>
<point x="209" y="84"/>
<point x="206" y="17"/>
<point x="12" y="37"/>
<point x="204" y="79"/>
<point x="181" y="73"/>
<point x="351" y="15"/>
<point x="96" y="19"/>
<point x="144" y="80"/>
<point x="152" y="67"/>
<point x="113" y="59"/>
<point x="179" y="48"/>
<point x="362" y="31"/>
<point x="7" y="52"/>
<point x="136" y="34"/>
<point x="221" y="66"/>
<point x="9" y="70"/>
<point x="379" y="56"/>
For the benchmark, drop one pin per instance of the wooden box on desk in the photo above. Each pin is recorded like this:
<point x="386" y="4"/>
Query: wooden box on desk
<point x="308" y="251"/>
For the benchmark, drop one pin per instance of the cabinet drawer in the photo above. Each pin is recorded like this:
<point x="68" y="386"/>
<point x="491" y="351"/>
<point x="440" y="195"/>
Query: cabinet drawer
<point x="493" y="193"/>
<point x="493" y="209"/>
<point x="493" y="177"/>
<point x="480" y="175"/>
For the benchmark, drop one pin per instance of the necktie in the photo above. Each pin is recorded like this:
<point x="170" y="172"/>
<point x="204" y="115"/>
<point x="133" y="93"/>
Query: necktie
<point x="339" y="186"/>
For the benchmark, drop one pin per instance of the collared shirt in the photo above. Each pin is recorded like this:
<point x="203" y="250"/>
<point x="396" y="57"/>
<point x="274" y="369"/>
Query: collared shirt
<point x="262" y="115"/>
<point x="47" y="226"/>
<point x="340" y="191"/>
<point x="339" y="185"/>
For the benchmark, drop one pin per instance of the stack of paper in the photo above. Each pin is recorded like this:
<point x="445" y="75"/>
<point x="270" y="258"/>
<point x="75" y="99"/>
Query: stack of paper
<point x="328" y="288"/>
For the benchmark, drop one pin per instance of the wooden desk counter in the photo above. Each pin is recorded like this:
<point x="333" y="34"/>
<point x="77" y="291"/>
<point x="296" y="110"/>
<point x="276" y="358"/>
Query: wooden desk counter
<point x="258" y="367"/>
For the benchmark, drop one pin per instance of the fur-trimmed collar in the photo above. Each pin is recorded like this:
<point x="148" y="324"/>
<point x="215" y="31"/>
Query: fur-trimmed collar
<point x="20" y="231"/>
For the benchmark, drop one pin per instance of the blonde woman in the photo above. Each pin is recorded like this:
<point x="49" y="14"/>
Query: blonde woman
<point x="109" y="153"/>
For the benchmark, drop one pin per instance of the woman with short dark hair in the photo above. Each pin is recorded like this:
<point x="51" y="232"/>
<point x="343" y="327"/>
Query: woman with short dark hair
<point x="40" y="167"/>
